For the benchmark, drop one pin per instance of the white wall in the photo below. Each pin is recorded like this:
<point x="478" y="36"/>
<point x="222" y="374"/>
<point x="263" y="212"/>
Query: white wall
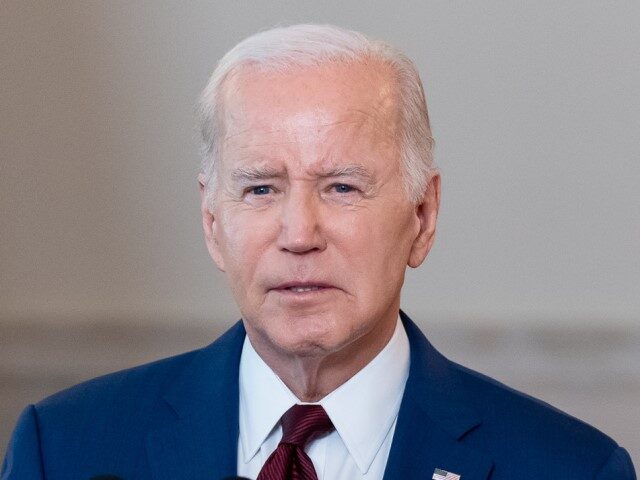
<point x="535" y="110"/>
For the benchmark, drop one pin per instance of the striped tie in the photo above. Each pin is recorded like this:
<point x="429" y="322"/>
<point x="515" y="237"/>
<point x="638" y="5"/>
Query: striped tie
<point x="289" y="461"/>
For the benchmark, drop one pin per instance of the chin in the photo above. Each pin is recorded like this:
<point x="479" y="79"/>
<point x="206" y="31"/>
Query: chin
<point x="310" y="339"/>
<point x="301" y="333"/>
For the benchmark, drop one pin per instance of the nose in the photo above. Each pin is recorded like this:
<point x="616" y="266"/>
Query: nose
<point x="300" y="224"/>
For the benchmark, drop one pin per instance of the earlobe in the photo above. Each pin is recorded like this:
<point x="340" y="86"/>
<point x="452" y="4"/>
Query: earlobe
<point x="426" y="213"/>
<point x="209" y="225"/>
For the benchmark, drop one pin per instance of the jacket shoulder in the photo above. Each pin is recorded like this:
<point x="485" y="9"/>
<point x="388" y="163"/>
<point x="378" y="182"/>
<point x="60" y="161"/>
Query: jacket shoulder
<point x="101" y="425"/>
<point x="107" y="413"/>
<point x="122" y="387"/>
<point x="133" y="387"/>
<point x="98" y="424"/>
<point x="526" y="430"/>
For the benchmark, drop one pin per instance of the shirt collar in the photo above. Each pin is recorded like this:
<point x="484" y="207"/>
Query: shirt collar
<point x="363" y="409"/>
<point x="263" y="400"/>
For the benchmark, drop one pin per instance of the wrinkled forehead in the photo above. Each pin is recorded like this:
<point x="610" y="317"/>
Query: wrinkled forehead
<point x="357" y="96"/>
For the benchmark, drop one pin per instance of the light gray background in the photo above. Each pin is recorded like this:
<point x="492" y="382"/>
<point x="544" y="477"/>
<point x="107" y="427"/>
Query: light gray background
<point x="535" y="274"/>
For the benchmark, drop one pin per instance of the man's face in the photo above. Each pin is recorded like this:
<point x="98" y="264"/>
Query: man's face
<point x="311" y="221"/>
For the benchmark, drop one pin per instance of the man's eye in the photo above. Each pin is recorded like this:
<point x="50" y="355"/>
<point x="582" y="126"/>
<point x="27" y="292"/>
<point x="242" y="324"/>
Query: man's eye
<point x="261" y="190"/>
<point x="343" y="188"/>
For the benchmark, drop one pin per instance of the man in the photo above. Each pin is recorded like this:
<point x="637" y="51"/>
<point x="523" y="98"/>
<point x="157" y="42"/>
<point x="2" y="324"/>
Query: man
<point x="318" y="189"/>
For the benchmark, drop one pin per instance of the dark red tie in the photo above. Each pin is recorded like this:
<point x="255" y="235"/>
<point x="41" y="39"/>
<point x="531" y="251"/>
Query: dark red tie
<point x="289" y="461"/>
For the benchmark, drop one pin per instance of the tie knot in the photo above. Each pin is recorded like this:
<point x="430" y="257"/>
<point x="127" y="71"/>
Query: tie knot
<point x="302" y="422"/>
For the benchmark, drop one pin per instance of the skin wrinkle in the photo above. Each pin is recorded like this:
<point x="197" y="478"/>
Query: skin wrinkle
<point x="302" y="128"/>
<point x="318" y="128"/>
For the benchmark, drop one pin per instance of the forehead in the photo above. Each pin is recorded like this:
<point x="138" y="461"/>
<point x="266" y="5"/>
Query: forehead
<point x="338" y="100"/>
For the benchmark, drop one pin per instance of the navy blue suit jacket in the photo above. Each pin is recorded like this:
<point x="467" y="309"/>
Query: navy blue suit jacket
<point x="178" y="419"/>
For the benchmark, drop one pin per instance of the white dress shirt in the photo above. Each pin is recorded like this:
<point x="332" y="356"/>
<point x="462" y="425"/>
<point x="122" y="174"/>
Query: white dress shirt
<point x="363" y="410"/>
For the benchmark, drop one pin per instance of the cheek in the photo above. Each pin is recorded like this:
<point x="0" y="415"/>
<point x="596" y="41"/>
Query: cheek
<point x="243" y="241"/>
<point x="231" y="243"/>
<point x="378" y="249"/>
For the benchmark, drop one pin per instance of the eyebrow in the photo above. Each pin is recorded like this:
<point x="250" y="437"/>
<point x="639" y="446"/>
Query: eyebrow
<point x="258" y="173"/>
<point x="348" y="171"/>
<point x="250" y="174"/>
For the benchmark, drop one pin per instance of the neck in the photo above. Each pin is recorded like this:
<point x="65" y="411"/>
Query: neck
<point x="312" y="377"/>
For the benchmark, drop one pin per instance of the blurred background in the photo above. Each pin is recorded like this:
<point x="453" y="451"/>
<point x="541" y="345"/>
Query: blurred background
<point x="534" y="278"/>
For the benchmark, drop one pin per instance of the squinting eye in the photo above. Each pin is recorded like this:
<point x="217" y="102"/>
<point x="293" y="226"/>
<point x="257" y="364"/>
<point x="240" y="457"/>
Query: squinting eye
<point x="261" y="190"/>
<point x="343" y="188"/>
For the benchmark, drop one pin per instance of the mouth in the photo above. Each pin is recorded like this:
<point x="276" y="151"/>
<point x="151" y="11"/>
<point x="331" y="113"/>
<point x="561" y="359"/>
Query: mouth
<point x="304" y="294"/>
<point x="302" y="287"/>
<point x="311" y="288"/>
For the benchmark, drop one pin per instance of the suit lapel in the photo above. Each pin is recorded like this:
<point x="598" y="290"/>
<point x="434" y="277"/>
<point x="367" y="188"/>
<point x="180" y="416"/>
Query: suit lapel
<point x="434" y="416"/>
<point x="201" y="441"/>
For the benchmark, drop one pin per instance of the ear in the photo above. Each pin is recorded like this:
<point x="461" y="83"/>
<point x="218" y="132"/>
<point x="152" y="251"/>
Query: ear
<point x="209" y="225"/>
<point x="426" y="213"/>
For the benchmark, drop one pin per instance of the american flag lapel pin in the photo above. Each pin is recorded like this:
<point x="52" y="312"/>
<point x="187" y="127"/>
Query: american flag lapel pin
<point x="439" y="474"/>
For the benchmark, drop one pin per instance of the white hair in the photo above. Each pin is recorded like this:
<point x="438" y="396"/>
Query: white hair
<point x="297" y="46"/>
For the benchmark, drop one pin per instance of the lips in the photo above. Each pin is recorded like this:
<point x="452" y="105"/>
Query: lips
<point x="302" y="287"/>
<point x="311" y="288"/>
